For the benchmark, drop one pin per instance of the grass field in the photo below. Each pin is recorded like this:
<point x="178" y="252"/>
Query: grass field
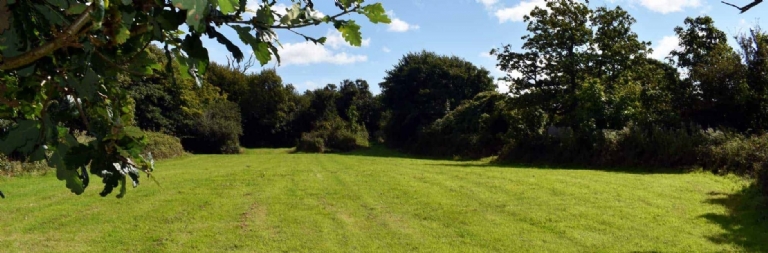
<point x="377" y="201"/>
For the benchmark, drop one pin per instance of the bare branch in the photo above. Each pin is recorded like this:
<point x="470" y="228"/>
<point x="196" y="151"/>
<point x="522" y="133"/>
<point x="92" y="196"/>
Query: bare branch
<point x="241" y="66"/>
<point x="746" y="7"/>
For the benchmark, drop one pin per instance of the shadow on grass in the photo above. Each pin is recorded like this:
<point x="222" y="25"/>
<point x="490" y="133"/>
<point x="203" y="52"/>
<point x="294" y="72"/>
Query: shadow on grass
<point x="746" y="222"/>
<point x="539" y="166"/>
<point x="381" y="151"/>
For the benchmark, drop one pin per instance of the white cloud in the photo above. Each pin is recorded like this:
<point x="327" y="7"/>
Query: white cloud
<point x="305" y="53"/>
<point x="664" y="46"/>
<point x="669" y="6"/>
<point x="398" y="25"/>
<point x="516" y="13"/>
<point x="334" y="40"/>
<point x="488" y="3"/>
<point x="386" y="49"/>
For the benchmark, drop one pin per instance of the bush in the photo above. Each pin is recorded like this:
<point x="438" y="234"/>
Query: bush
<point x="737" y="154"/>
<point x="217" y="130"/>
<point x="334" y="135"/>
<point x="310" y="143"/>
<point x="9" y="167"/>
<point x="475" y="129"/>
<point x="163" y="146"/>
<point x="632" y="146"/>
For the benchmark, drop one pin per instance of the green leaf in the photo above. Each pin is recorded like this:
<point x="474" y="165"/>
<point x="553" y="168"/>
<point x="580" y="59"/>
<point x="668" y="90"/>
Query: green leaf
<point x="86" y="88"/>
<point x="196" y="12"/>
<point x="62" y="4"/>
<point x="260" y="48"/>
<point x="122" y="34"/>
<point x="231" y="47"/>
<point x="265" y="16"/>
<point x="22" y="137"/>
<point x="351" y="33"/>
<point x="127" y="2"/>
<point x="376" y="13"/>
<point x="133" y="132"/>
<point x="228" y="6"/>
<point x="76" y="9"/>
<point x="198" y="54"/>
<point x="52" y="16"/>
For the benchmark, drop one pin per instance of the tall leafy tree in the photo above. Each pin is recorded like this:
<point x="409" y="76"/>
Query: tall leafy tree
<point x="423" y="87"/>
<point x="75" y="48"/>
<point x="754" y="49"/>
<point x="568" y="44"/>
<point x="714" y="73"/>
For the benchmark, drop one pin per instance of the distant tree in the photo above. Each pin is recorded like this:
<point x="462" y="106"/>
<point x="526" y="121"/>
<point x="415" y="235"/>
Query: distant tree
<point x="554" y="52"/>
<point x="356" y="103"/>
<point x="569" y="46"/>
<point x="714" y="73"/>
<point x="423" y="87"/>
<point x="754" y="50"/>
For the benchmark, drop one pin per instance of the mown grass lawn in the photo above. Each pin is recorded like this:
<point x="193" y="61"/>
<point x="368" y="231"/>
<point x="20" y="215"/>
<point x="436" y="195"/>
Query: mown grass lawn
<point x="376" y="201"/>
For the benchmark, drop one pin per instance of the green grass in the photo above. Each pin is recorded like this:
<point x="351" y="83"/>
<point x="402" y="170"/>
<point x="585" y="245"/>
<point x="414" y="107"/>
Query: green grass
<point x="378" y="201"/>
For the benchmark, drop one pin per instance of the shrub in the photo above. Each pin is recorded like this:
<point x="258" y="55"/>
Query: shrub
<point x="163" y="146"/>
<point x="738" y="154"/>
<point x="334" y="135"/>
<point x="632" y="146"/>
<point x="475" y="129"/>
<point x="9" y="167"/>
<point x="310" y="143"/>
<point x="217" y="130"/>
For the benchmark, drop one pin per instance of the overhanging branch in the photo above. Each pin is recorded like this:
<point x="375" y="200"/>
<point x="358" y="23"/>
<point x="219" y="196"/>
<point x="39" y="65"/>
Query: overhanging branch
<point x="46" y="49"/>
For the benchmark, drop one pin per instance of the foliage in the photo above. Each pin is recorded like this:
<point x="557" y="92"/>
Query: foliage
<point x="311" y="143"/>
<point x="267" y="105"/>
<point x="163" y="146"/>
<point x="333" y="135"/>
<point x="737" y="154"/>
<point x="475" y="129"/>
<point x="634" y="146"/>
<point x="168" y="106"/>
<point x="10" y="167"/>
<point x="79" y="50"/>
<point x="570" y="46"/>
<point x="217" y="130"/>
<point x="423" y="87"/>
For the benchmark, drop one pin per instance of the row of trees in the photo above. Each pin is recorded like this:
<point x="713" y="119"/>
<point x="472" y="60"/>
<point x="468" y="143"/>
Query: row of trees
<point x="587" y="93"/>
<point x="269" y="112"/>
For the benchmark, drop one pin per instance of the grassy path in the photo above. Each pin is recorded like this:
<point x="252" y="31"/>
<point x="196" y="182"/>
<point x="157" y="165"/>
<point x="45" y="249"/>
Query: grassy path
<point x="272" y="201"/>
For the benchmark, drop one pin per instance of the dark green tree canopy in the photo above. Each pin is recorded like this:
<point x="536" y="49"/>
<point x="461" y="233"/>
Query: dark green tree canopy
<point x="423" y="87"/>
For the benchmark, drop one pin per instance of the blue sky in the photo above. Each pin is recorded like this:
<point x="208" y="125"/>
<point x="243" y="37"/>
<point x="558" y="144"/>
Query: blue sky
<point x="464" y="28"/>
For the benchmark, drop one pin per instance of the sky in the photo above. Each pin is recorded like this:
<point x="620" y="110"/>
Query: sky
<point x="465" y="28"/>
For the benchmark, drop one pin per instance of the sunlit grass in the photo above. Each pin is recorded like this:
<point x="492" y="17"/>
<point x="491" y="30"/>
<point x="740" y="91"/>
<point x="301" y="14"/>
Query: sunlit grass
<point x="377" y="201"/>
